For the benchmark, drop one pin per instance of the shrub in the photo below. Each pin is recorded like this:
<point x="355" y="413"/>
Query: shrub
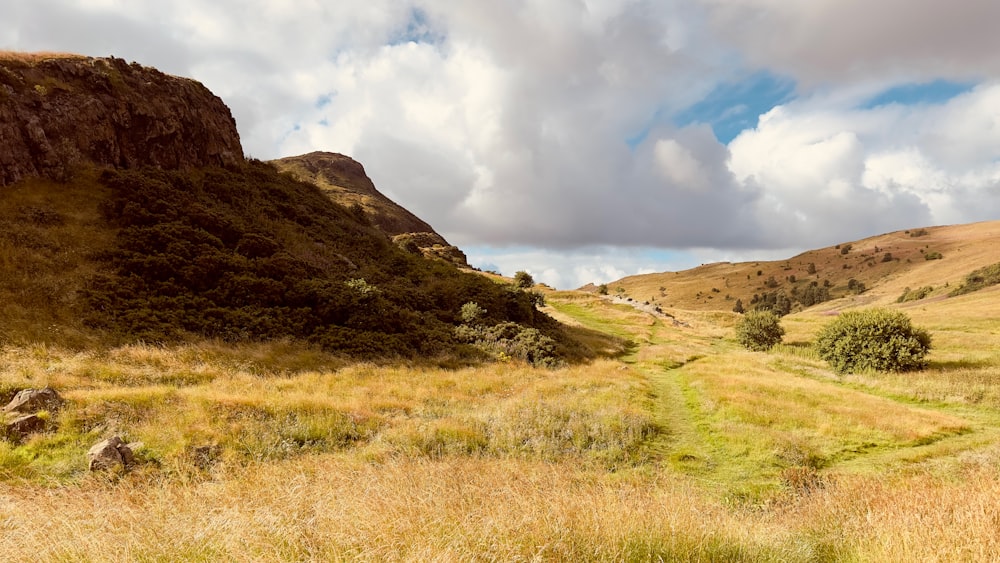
<point x="759" y="330"/>
<point x="914" y="294"/>
<point x="845" y="248"/>
<point x="933" y="255"/>
<point x="472" y="313"/>
<point x="523" y="280"/>
<point x="873" y="339"/>
<point x="602" y="289"/>
<point x="979" y="279"/>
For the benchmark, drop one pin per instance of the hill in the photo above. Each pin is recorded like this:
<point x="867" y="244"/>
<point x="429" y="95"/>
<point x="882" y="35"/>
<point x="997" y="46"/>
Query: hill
<point x="877" y="269"/>
<point x="130" y="215"/>
<point x="58" y="112"/>
<point x="344" y="179"/>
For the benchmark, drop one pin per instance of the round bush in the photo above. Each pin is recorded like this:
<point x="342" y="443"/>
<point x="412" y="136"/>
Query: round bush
<point x="873" y="339"/>
<point x="759" y="330"/>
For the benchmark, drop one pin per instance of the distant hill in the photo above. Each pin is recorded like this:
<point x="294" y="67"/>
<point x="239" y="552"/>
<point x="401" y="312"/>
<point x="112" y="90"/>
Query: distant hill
<point x="872" y="270"/>
<point x="129" y="214"/>
<point x="344" y="179"/>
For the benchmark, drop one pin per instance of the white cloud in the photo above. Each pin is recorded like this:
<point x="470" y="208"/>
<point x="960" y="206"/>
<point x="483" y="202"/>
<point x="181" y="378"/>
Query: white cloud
<point x="505" y="123"/>
<point x="825" y="41"/>
<point x="834" y="175"/>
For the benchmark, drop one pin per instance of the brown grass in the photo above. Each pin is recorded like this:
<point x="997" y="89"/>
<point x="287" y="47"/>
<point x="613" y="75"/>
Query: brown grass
<point x="965" y="248"/>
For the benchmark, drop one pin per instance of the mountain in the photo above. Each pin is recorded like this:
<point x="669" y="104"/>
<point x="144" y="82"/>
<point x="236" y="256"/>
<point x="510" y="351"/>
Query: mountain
<point x="344" y="179"/>
<point x="128" y="213"/>
<point x="933" y="261"/>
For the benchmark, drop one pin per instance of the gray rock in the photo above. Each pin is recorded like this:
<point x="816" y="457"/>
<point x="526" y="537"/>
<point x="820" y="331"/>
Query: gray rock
<point x="109" y="455"/>
<point x="23" y="426"/>
<point x="34" y="400"/>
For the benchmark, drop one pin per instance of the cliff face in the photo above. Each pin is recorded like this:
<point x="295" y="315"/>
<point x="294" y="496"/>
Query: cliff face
<point x="345" y="181"/>
<point x="60" y="110"/>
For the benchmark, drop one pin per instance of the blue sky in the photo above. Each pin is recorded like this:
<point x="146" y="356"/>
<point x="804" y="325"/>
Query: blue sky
<point x="585" y="140"/>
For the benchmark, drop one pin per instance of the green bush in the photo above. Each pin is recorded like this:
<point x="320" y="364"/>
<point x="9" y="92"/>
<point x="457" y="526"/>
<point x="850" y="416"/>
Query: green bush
<point x="759" y="330"/>
<point x="523" y="280"/>
<point x="873" y="339"/>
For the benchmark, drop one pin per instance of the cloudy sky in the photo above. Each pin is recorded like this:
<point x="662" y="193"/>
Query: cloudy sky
<point x="584" y="140"/>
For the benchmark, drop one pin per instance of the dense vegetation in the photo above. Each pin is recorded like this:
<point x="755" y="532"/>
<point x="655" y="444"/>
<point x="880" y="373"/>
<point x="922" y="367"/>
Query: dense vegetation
<point x="979" y="279"/>
<point x="759" y="330"/>
<point x="249" y="254"/>
<point x="873" y="339"/>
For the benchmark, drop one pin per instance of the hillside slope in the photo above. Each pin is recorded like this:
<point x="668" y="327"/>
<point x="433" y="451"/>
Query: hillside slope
<point x="345" y="181"/>
<point x="136" y="218"/>
<point x="872" y="270"/>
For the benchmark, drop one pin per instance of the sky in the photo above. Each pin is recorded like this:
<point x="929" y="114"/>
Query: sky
<point x="585" y="140"/>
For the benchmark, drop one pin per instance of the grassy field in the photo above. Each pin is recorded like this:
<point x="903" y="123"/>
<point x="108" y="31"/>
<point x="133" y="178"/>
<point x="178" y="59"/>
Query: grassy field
<point x="683" y="447"/>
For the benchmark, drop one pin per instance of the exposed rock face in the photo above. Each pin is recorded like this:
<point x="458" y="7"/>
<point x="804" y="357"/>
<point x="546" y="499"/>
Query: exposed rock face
<point x="110" y="454"/>
<point x="33" y="400"/>
<point x="345" y="181"/>
<point x="59" y="111"/>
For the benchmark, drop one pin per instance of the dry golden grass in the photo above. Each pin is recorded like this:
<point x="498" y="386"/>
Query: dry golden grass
<point x="965" y="248"/>
<point x="34" y="58"/>
<point x="688" y="448"/>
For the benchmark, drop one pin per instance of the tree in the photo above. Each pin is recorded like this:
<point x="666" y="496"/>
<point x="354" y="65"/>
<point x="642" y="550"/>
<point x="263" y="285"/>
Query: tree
<point x="811" y="269"/>
<point x="873" y="339"/>
<point x="738" y="307"/>
<point x="523" y="280"/>
<point x="759" y="330"/>
<point x="602" y="289"/>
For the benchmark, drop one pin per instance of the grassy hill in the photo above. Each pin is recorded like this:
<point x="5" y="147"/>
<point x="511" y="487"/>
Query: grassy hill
<point x="886" y="265"/>
<point x="237" y="254"/>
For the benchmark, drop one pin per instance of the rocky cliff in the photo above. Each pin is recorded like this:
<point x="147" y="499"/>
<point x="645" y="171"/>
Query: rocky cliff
<point x="57" y="111"/>
<point x="345" y="181"/>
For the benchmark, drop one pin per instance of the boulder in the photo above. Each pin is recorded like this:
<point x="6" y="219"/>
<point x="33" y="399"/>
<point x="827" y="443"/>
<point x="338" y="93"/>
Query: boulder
<point x="34" y="400"/>
<point x="21" y="427"/>
<point x="111" y="454"/>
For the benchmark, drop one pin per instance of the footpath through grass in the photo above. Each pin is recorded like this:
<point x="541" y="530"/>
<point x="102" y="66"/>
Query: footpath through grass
<point x="685" y="447"/>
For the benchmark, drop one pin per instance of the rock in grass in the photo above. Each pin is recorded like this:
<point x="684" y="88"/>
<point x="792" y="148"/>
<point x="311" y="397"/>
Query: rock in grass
<point x="110" y="454"/>
<point x="34" y="400"/>
<point x="21" y="427"/>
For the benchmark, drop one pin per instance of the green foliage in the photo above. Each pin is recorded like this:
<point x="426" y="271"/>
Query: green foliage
<point x="523" y="280"/>
<point x="471" y="313"/>
<point x="854" y="286"/>
<point x="873" y="339"/>
<point x="506" y="340"/>
<point x="914" y="294"/>
<point x="246" y="254"/>
<point x="979" y="279"/>
<point x="933" y="255"/>
<point x="774" y="301"/>
<point x="602" y="289"/>
<point x="759" y="330"/>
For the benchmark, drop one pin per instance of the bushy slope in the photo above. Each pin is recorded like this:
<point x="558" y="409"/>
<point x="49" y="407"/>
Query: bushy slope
<point x="875" y="270"/>
<point x="246" y="253"/>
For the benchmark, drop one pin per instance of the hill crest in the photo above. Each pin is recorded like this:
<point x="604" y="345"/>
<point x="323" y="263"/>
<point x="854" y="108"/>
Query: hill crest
<point x="873" y="270"/>
<point x="60" y="111"/>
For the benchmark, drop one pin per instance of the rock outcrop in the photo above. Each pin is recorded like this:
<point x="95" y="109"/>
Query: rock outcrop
<point x="26" y="414"/>
<point x="111" y="454"/>
<point x="345" y="181"/>
<point x="58" y="111"/>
